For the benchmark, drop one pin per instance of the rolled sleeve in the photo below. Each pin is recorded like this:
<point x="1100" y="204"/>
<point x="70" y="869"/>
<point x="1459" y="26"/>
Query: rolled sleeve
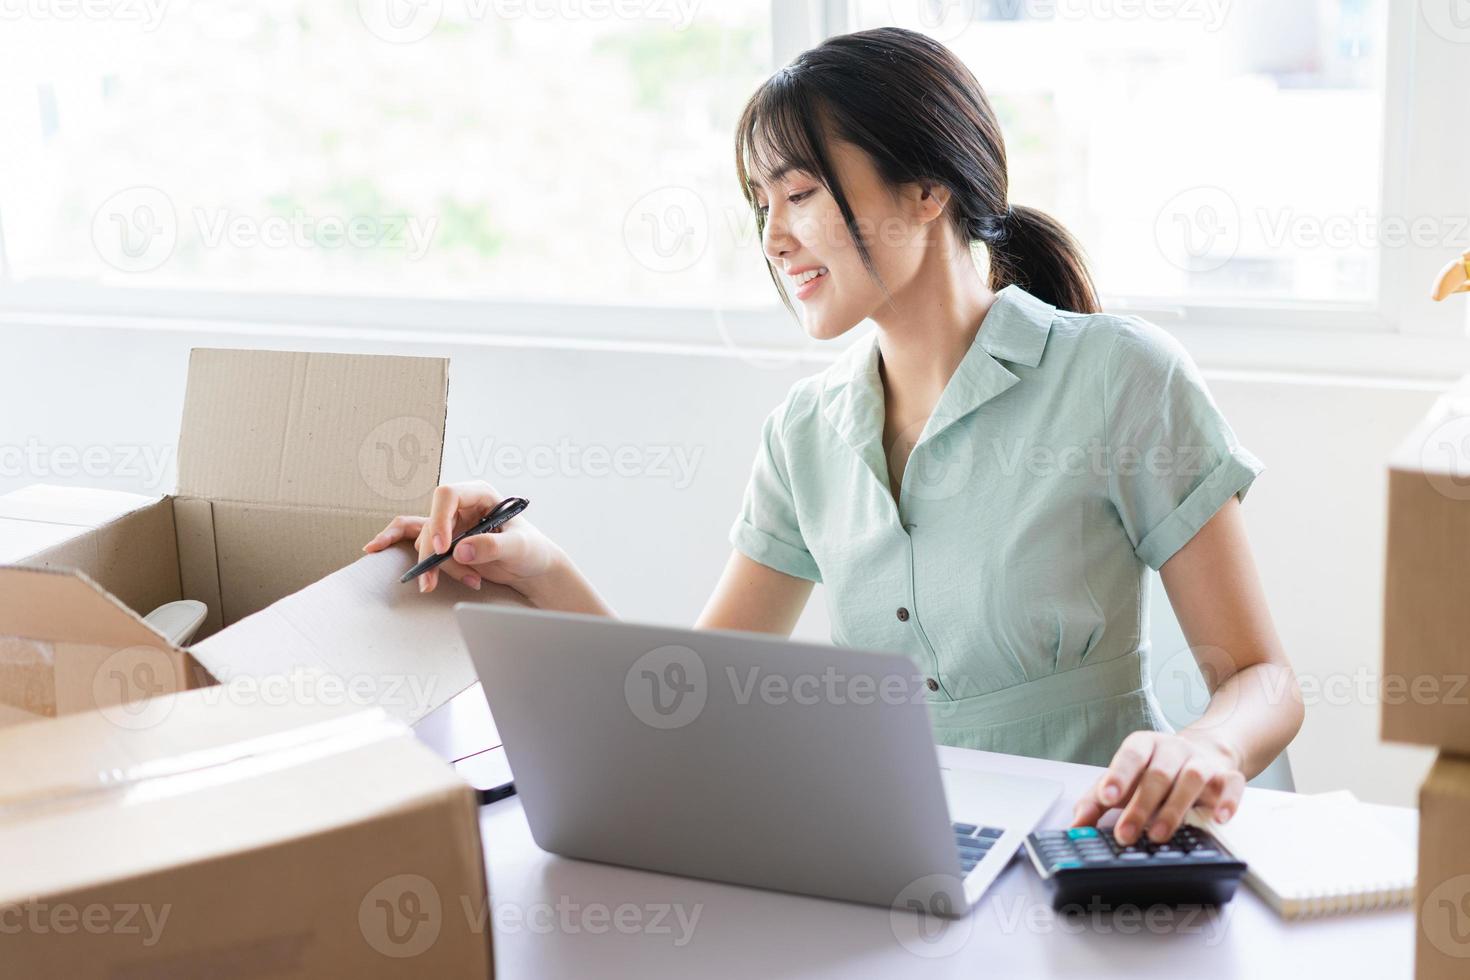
<point x="1175" y="460"/>
<point x="767" y="529"/>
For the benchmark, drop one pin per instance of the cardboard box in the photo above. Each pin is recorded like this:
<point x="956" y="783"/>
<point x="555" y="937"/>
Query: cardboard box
<point x="1425" y="688"/>
<point x="1442" y="893"/>
<point x="288" y="463"/>
<point x="229" y="841"/>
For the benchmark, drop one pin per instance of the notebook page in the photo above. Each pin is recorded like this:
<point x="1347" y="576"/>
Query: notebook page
<point x="1318" y="854"/>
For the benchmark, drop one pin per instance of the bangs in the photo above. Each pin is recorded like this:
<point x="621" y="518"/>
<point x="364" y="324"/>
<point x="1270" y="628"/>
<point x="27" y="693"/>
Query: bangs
<point x="780" y="130"/>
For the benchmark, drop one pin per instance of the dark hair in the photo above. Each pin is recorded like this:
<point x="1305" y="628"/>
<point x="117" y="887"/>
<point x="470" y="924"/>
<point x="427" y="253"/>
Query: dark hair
<point x="914" y="107"/>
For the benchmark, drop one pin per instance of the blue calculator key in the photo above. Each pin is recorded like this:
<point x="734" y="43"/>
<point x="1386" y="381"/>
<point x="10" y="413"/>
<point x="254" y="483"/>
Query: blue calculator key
<point x="1059" y="865"/>
<point x="991" y="832"/>
<point x="965" y="829"/>
<point x="1078" y="832"/>
<point x="968" y="864"/>
<point x="1204" y="852"/>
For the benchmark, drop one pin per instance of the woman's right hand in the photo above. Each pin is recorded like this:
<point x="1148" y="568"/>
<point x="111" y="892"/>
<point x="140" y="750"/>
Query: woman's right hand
<point x="514" y="554"/>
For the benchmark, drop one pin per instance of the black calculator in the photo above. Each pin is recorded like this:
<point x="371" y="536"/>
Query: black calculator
<point x="1086" y="868"/>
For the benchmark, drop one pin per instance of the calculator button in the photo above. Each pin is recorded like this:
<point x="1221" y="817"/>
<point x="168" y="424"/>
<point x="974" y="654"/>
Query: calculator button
<point x="992" y="833"/>
<point x="965" y="829"/>
<point x="1162" y="855"/>
<point x="1133" y="856"/>
<point x="1082" y="832"/>
<point x="1059" y="865"/>
<point x="1205" y="852"/>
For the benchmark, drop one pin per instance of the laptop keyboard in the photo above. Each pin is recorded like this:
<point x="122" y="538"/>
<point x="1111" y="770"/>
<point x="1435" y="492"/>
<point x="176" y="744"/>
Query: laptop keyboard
<point x="974" y="843"/>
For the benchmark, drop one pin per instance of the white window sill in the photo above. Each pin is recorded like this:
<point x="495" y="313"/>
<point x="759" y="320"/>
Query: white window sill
<point x="1305" y="346"/>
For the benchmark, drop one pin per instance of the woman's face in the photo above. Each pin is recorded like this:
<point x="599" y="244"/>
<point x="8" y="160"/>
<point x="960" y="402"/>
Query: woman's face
<point x="807" y="241"/>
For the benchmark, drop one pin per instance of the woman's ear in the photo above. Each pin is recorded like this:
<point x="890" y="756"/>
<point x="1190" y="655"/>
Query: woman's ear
<point x="931" y="201"/>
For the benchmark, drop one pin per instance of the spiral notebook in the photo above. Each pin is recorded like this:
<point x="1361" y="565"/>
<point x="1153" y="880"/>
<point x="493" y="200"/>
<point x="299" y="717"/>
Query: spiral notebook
<point x="1317" y="855"/>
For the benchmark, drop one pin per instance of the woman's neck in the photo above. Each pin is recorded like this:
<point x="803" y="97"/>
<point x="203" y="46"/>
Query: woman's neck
<point x="927" y="330"/>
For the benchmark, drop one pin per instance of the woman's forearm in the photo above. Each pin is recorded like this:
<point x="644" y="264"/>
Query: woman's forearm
<point x="1253" y="715"/>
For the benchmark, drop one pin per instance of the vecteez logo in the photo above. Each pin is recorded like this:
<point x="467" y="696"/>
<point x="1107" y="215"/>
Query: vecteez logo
<point x="401" y="916"/>
<point x="667" y="687"/>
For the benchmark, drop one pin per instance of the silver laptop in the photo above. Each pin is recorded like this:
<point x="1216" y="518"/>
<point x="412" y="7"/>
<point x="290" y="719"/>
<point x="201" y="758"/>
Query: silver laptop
<point x="742" y="758"/>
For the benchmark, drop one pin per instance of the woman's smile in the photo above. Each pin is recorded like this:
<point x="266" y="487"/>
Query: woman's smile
<point x="808" y="280"/>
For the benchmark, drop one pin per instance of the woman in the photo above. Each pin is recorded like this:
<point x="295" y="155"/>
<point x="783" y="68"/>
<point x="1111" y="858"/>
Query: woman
<point x="983" y="482"/>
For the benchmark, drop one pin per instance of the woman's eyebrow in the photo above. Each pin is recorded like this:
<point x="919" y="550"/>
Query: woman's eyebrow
<point x="775" y="176"/>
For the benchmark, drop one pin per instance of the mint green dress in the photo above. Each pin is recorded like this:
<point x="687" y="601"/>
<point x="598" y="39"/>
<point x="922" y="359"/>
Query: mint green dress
<point x="1068" y="455"/>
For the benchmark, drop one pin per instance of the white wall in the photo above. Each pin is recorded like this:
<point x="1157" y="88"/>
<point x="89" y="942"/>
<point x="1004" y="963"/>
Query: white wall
<point x="655" y="547"/>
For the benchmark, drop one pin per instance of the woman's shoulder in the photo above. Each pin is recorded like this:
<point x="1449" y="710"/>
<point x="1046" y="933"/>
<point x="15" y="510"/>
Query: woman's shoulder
<point x="807" y="397"/>
<point x="1120" y="347"/>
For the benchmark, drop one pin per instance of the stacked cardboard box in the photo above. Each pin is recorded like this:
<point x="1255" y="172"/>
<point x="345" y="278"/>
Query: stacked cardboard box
<point x="1424" y="693"/>
<point x="238" y="787"/>
<point x="228" y="840"/>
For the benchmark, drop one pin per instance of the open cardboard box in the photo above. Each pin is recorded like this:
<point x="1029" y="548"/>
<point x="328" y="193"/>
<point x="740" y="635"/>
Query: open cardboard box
<point x="288" y="463"/>
<point x="1425" y="688"/>
<point x="223" y="840"/>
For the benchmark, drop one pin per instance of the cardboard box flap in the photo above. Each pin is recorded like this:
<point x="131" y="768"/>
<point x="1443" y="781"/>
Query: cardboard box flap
<point x="359" y="636"/>
<point x="340" y="431"/>
<point x="70" y="506"/>
<point x="67" y="606"/>
<point x="89" y="764"/>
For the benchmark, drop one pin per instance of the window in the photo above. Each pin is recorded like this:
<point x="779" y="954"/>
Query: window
<point x="1168" y="135"/>
<point x="505" y="149"/>
<point x="565" y="166"/>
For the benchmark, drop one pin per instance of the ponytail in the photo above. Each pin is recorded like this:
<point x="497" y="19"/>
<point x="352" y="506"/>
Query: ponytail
<point x="1032" y="250"/>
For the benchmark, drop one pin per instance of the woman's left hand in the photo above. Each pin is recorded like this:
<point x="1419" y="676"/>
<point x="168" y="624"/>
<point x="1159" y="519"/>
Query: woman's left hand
<point x="1156" y="777"/>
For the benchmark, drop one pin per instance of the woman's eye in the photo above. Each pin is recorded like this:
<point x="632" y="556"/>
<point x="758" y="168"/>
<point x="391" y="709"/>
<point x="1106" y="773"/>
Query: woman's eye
<point x="797" y="198"/>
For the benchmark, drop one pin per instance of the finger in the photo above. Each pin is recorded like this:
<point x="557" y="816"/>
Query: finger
<point x="458" y="505"/>
<point x="456" y="571"/>
<point x="440" y="529"/>
<point x="1088" y="811"/>
<point x="1153" y="785"/>
<point x="1187" y="787"/>
<point x="481" y="549"/>
<point x="1116" y="785"/>
<point x="1228" y="788"/>
<point x="399" y="529"/>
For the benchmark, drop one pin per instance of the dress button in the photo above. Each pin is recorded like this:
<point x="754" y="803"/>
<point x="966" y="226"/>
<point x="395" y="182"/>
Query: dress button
<point x="903" y="615"/>
<point x="932" y="684"/>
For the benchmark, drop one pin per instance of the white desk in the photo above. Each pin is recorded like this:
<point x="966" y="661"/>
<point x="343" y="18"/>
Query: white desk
<point x="556" y="917"/>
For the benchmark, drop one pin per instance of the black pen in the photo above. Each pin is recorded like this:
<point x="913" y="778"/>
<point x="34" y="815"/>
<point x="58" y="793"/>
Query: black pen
<point x="504" y="511"/>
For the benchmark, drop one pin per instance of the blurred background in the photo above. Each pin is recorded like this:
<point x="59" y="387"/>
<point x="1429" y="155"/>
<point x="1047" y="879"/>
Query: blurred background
<point x="544" y="191"/>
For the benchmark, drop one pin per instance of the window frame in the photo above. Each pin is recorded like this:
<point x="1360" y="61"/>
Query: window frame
<point x="1404" y="331"/>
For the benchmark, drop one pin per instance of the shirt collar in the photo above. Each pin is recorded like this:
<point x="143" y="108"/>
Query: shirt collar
<point x="1015" y="329"/>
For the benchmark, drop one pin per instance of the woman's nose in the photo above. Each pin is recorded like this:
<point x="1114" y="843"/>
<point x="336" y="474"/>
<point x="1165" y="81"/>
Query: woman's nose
<point x="776" y="239"/>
